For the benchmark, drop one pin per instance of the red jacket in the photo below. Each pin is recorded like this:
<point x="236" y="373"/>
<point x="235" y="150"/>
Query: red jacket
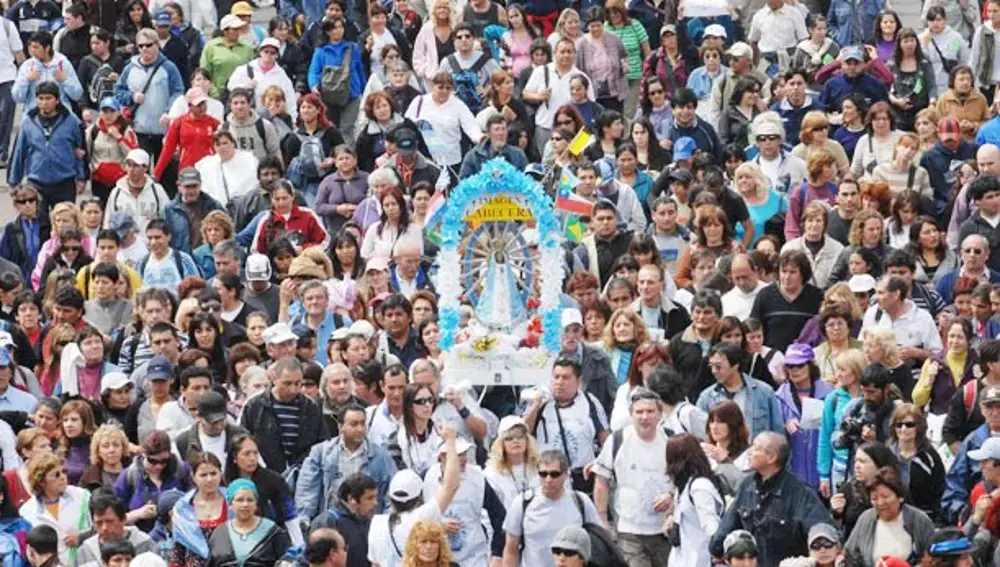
<point x="990" y="518"/>
<point x="300" y="220"/>
<point x="193" y="136"/>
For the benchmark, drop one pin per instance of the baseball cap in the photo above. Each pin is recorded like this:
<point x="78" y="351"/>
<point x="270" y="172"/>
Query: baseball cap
<point x="121" y="222"/>
<point x="5" y="359"/>
<point x="798" y="354"/>
<point x="405" y="486"/>
<point x="715" y="30"/>
<point x="258" y="268"/>
<point x="852" y="52"/>
<point x="990" y="449"/>
<point x="363" y="328"/>
<point x="861" y="283"/>
<point x="159" y="368"/>
<point x="406" y="141"/>
<point x="110" y="103"/>
<point x="891" y="561"/>
<point x="823" y="531"/>
<point x="681" y="175"/>
<point x="510" y="422"/>
<point x="462" y="446"/>
<point x="684" y="148"/>
<point x="278" y="333"/>
<point x="739" y="543"/>
<point x="380" y="263"/>
<point x="378" y="299"/>
<point x="161" y="17"/>
<point x="114" y="381"/>
<point x="6" y="340"/>
<point x="571" y="316"/>
<point x="669" y="28"/>
<point x="229" y="21"/>
<point x="740" y="49"/>
<point x="167" y="500"/>
<point x="302" y="266"/>
<point x="189" y="176"/>
<point x="991" y="395"/>
<point x="270" y="42"/>
<point x="137" y="156"/>
<point x="195" y="96"/>
<point x="948" y="128"/>
<point x="212" y="407"/>
<point x="573" y="538"/>
<point x="241" y="9"/>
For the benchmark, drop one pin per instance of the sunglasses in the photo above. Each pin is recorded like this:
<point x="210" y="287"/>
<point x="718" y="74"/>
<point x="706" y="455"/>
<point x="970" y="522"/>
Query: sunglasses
<point x="563" y="552"/>
<point x="24" y="201"/>
<point x="550" y="474"/>
<point x="794" y="366"/>
<point x="515" y="437"/>
<point x="768" y="138"/>
<point x="906" y="424"/>
<point x="556" y="138"/>
<point x="70" y="248"/>
<point x="423" y="402"/>
<point x="158" y="462"/>
<point x="822" y="544"/>
<point x="973" y="251"/>
<point x="145" y="45"/>
<point x="211" y="307"/>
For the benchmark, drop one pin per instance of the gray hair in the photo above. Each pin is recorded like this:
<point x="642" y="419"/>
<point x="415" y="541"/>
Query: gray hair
<point x="149" y="35"/>
<point x="228" y="248"/>
<point x="311" y="285"/>
<point x="383" y="175"/>
<point x="554" y="456"/>
<point x="424" y="365"/>
<point x="400" y="66"/>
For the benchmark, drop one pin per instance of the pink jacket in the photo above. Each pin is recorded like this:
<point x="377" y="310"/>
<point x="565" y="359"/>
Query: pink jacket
<point x="425" y="53"/>
<point x="51" y="247"/>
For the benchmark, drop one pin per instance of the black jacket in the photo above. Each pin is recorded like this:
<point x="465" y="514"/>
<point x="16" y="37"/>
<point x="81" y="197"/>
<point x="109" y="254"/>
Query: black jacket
<point x="410" y="26"/>
<point x="260" y="420"/>
<point x="75" y="44"/>
<point x="193" y="41"/>
<point x="14" y="248"/>
<point x="690" y="363"/>
<point x="293" y="60"/>
<point x="267" y="553"/>
<point x="189" y="440"/>
<point x="88" y="68"/>
<point x="402" y="42"/>
<point x="352" y="527"/>
<point x="778" y="512"/>
<point x="56" y="261"/>
<point x="176" y="50"/>
<point x="371" y="142"/>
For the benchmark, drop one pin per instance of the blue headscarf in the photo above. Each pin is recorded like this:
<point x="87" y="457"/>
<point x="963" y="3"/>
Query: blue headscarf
<point x="238" y="485"/>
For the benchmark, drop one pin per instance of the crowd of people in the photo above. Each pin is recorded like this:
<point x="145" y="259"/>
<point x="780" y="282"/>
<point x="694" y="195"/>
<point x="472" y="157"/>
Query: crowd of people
<point x="780" y="307"/>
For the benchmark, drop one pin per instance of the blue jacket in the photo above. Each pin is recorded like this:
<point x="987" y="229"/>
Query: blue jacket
<point x="186" y="529"/>
<point x="792" y="117"/>
<point x="963" y="475"/>
<point x="830" y="461"/>
<point x="48" y="158"/>
<point x="989" y="133"/>
<point x="23" y="91"/>
<point x="701" y="83"/>
<point x="764" y="411"/>
<point x="804" y="444"/>
<point x="946" y="284"/>
<point x="312" y="9"/>
<point x="333" y="54"/>
<point x="837" y="89"/>
<point x="481" y="154"/>
<point x="180" y="225"/>
<point x="938" y="162"/>
<point x="704" y="136"/>
<point x="203" y="258"/>
<point x="320" y="477"/>
<point x="849" y="25"/>
<point x="167" y="85"/>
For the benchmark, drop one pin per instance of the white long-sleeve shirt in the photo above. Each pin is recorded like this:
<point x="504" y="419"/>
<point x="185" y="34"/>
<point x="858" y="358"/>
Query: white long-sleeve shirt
<point x="442" y="126"/>
<point x="275" y="76"/>
<point x="227" y="181"/>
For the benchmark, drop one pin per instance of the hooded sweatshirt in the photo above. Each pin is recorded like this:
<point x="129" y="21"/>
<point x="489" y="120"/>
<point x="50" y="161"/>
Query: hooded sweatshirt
<point x="254" y="135"/>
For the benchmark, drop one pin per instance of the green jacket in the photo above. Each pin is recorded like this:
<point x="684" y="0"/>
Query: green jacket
<point x="221" y="60"/>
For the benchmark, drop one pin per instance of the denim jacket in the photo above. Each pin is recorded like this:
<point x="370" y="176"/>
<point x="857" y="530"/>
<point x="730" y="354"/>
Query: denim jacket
<point x="764" y="414"/>
<point x="320" y="477"/>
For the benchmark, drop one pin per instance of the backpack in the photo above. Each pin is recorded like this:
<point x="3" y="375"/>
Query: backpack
<point x="603" y="551"/>
<point x="335" y="83"/>
<point x="467" y="81"/>
<point x="141" y="268"/>
<point x="310" y="156"/>
<point x="100" y="85"/>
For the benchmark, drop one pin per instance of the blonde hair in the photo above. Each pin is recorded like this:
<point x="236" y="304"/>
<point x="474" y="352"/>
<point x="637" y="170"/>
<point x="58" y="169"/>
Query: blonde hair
<point x="641" y="332"/>
<point x="106" y="433"/>
<point x="185" y="310"/>
<point x="453" y="16"/>
<point x="426" y="531"/>
<point x="852" y="360"/>
<point x="885" y="338"/>
<point x="931" y="115"/>
<point x="561" y="22"/>
<point x="858" y="225"/>
<point x="273" y="92"/>
<point x="66" y="207"/>
<point x="220" y="219"/>
<point x="842" y="292"/>
<point x="754" y="171"/>
<point x="813" y="120"/>
<point x="914" y="143"/>
<point x="498" y="455"/>
<point x="41" y="466"/>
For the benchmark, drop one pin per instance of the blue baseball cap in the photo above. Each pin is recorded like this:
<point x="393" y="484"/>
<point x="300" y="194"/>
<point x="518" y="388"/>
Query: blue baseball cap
<point x="852" y="53"/>
<point x="111" y="103"/>
<point x="161" y="17"/>
<point x="159" y="368"/>
<point x="684" y="148"/>
<point x="5" y="359"/>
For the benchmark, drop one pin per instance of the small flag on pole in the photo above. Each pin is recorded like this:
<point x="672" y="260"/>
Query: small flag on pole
<point x="568" y="201"/>
<point x="580" y="142"/>
<point x="575" y="229"/>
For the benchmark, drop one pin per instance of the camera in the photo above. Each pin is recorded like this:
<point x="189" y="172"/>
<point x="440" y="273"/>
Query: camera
<point x="854" y="425"/>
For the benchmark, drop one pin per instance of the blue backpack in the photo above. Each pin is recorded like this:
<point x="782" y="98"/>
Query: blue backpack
<point x="467" y="81"/>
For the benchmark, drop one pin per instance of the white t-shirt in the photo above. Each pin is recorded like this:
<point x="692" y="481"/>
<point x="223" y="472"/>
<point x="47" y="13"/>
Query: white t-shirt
<point x="469" y="545"/>
<point x="539" y="520"/>
<point x="215" y="445"/>
<point x="381" y="424"/>
<point x="442" y="126"/>
<point x="227" y="181"/>
<point x="560" y="91"/>
<point x="640" y="471"/>
<point x="386" y="549"/>
<point x="578" y="426"/>
<point x="509" y="485"/>
<point x="891" y="538"/>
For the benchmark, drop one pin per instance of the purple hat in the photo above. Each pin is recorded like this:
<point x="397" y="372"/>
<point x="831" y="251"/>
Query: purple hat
<point x="798" y="354"/>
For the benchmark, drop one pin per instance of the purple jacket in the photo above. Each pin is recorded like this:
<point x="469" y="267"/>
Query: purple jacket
<point x="334" y="191"/>
<point x="804" y="445"/>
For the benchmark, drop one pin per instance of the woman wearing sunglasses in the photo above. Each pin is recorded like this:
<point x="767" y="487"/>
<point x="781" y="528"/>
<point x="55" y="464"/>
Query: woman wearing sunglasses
<point x="414" y="445"/>
<point x="154" y="472"/>
<point x="798" y="398"/>
<point x="57" y="504"/>
<point x="921" y="466"/>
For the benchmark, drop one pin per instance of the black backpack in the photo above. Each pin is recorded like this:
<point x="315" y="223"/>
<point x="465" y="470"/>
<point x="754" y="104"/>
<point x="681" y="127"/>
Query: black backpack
<point x="467" y="81"/>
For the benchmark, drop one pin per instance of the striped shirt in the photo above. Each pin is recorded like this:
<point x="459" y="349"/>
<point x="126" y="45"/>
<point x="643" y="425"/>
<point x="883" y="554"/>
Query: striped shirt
<point x="288" y="423"/>
<point x="632" y="36"/>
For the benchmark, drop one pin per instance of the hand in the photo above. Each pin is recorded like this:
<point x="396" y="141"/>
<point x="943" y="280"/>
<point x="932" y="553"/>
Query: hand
<point x="933" y="368"/>
<point x="130" y="49"/>
<point x="868" y="433"/>
<point x="838" y="503"/>
<point x="538" y="399"/>
<point x="447" y="433"/>
<point x="984" y="502"/>
<point x="714" y="452"/>
<point x="663" y="502"/>
<point x="327" y="163"/>
<point x="626" y="68"/>
<point x="370" y="43"/>
<point x="588" y="469"/>
<point x="33" y="75"/>
<point x="81" y="186"/>
<point x="138" y="98"/>
<point x="871" y="52"/>
<point x="112" y="76"/>
<point x="59" y="75"/>
<point x="667" y="144"/>
<point x="454" y="398"/>
<point x="147" y="512"/>
<point x="451" y="526"/>
<point x="114" y="132"/>
<point x="346" y="209"/>
<point x="910" y="352"/>
<point x="72" y="539"/>
<point x="966" y="125"/>
<point x="545" y="94"/>
<point x="287" y="292"/>
<point x="508" y="114"/>
<point x="824" y="488"/>
<point x="80" y="153"/>
<point x="792" y="426"/>
<point x="300" y="19"/>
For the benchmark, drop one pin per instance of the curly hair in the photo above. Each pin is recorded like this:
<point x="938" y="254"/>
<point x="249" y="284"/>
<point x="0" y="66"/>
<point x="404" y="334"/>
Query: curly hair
<point x="39" y="468"/>
<point x="641" y="333"/>
<point x="858" y="226"/>
<point x="106" y="433"/>
<point x="427" y="531"/>
<point x="221" y="220"/>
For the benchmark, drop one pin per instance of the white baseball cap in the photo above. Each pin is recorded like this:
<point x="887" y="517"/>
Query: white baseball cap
<point x="270" y="42"/>
<point x="279" y="333"/>
<point x="405" y="486"/>
<point x="462" y="446"/>
<point x="571" y="316"/>
<point x="230" y="21"/>
<point x="137" y="156"/>
<point x="510" y="422"/>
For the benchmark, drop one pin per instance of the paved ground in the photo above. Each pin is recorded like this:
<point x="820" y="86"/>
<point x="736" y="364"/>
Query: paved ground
<point x="7" y="212"/>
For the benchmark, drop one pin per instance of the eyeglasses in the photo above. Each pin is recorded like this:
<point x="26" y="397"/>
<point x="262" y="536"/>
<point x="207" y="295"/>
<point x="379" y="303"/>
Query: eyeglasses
<point x="793" y="366"/>
<point x="768" y="138"/>
<point x="423" y="402"/>
<point x="145" y="45"/>
<point x="24" y="201"/>
<point x="70" y="248"/>
<point x="822" y="544"/>
<point x="906" y="424"/>
<point x="563" y="552"/>
<point x="973" y="251"/>
<point x="550" y="474"/>
<point x="556" y="138"/>
<point x="158" y="462"/>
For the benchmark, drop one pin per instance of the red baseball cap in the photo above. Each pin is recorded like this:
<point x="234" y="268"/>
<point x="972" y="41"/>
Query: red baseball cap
<point x="948" y="128"/>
